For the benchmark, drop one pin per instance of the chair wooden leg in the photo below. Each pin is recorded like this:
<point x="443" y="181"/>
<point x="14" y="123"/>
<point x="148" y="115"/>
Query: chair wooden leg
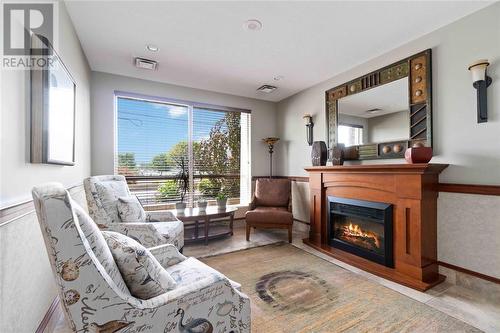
<point x="248" y="232"/>
<point x="289" y="234"/>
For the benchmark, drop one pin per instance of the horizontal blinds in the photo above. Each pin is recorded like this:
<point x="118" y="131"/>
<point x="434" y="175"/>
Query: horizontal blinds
<point x="161" y="143"/>
<point x="216" y="153"/>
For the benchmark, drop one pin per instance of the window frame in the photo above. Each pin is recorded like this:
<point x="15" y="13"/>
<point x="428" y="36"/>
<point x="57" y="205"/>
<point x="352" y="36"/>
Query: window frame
<point x="191" y="105"/>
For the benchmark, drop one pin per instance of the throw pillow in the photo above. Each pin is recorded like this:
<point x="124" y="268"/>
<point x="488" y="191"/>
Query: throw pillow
<point x="130" y="209"/>
<point x="143" y="274"/>
<point x="108" y="193"/>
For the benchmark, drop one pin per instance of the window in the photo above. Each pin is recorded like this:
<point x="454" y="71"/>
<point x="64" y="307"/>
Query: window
<point x="160" y="142"/>
<point x="350" y="135"/>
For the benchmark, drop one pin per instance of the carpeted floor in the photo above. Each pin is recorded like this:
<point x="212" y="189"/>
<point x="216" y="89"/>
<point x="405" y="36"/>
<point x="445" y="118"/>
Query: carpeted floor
<point x="294" y="291"/>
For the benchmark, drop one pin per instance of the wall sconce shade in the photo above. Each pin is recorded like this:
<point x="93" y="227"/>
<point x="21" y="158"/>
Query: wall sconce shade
<point x="309" y="128"/>
<point x="481" y="81"/>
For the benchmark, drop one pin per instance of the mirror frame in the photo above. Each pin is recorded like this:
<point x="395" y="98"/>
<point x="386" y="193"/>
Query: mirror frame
<point x="418" y="70"/>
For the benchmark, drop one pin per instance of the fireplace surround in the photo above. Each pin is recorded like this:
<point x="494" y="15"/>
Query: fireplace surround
<point x="363" y="228"/>
<point x="411" y="189"/>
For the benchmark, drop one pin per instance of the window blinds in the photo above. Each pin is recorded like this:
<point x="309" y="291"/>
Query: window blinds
<point x="162" y="146"/>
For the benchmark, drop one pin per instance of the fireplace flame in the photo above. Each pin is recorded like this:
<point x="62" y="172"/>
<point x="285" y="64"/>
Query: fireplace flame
<point x="356" y="232"/>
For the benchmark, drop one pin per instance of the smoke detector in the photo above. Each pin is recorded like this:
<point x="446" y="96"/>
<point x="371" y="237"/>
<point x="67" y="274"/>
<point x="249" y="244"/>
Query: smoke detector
<point x="144" y="63"/>
<point x="266" y="88"/>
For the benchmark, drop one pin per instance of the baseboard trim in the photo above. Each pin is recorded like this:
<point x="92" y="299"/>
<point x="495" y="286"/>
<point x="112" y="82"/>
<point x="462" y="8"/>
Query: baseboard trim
<point x="468" y="271"/>
<point x="48" y="315"/>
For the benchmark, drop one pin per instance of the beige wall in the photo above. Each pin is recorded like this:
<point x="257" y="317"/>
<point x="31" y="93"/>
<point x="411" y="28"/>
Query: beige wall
<point x="26" y="283"/>
<point x="103" y="118"/>
<point x="471" y="149"/>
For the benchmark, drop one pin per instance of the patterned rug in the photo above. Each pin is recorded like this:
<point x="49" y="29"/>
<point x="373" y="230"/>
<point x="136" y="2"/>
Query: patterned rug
<point x="294" y="291"/>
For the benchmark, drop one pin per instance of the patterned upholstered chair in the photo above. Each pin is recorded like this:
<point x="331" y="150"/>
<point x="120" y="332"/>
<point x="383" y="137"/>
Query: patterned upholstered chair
<point x="95" y="297"/>
<point x="271" y="206"/>
<point x="103" y="193"/>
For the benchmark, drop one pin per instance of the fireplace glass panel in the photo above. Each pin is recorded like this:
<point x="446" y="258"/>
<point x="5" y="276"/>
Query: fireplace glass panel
<point x="361" y="233"/>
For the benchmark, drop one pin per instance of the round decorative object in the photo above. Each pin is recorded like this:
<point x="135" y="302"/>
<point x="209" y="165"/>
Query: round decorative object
<point x="397" y="148"/>
<point x="418" y="144"/>
<point x="386" y="149"/>
<point x="418" y="66"/>
<point x="294" y="291"/>
<point x="418" y="79"/>
<point x="418" y="155"/>
<point x="71" y="297"/>
<point x="352" y="88"/>
<point x="418" y="92"/>
<point x="319" y="153"/>
<point x="70" y="271"/>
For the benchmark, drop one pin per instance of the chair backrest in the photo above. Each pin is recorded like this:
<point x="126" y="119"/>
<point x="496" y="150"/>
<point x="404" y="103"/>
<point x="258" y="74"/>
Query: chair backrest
<point x="272" y="192"/>
<point x="102" y="194"/>
<point x="81" y="261"/>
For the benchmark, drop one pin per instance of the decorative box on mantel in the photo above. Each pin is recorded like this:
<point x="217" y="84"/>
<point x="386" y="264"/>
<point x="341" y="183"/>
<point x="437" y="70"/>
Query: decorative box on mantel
<point x="380" y="218"/>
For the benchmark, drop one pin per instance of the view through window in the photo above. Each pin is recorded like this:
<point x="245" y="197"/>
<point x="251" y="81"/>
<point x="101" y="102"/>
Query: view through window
<point x="350" y="135"/>
<point x="173" y="152"/>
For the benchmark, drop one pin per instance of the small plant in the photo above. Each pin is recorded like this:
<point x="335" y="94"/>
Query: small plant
<point x="221" y="196"/>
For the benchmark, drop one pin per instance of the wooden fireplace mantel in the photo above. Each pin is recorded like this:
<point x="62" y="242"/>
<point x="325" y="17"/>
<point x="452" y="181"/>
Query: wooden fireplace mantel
<point x="411" y="189"/>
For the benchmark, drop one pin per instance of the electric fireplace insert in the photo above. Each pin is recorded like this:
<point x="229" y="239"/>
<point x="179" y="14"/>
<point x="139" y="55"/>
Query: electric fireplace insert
<point x="363" y="228"/>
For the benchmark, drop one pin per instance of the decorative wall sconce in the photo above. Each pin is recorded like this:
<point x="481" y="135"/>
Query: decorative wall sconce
<point x="481" y="81"/>
<point x="308" y="119"/>
<point x="270" y="144"/>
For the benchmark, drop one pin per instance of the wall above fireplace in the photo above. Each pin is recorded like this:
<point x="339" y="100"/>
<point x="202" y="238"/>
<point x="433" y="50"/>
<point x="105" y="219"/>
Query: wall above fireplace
<point x="411" y="189"/>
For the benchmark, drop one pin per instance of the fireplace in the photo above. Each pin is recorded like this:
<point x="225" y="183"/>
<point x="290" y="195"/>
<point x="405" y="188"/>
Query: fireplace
<point x="363" y="228"/>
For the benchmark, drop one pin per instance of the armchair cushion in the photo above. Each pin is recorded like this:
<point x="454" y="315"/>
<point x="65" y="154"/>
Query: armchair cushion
<point x="109" y="192"/>
<point x="272" y="192"/>
<point x="70" y="269"/>
<point x="130" y="209"/>
<point x="143" y="274"/>
<point x="269" y="215"/>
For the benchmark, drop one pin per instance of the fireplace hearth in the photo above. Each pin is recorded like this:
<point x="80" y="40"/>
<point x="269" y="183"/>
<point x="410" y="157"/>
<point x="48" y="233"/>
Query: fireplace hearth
<point x="363" y="228"/>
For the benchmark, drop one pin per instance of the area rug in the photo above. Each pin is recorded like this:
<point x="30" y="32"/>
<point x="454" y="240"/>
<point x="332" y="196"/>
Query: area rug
<point x="294" y="291"/>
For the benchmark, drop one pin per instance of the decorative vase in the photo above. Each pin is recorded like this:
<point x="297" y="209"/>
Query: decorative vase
<point x="319" y="153"/>
<point x="221" y="204"/>
<point x="180" y="206"/>
<point x="202" y="205"/>
<point x="337" y="155"/>
<point x="418" y="155"/>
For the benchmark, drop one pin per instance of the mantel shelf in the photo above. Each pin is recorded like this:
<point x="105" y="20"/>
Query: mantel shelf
<point x="416" y="168"/>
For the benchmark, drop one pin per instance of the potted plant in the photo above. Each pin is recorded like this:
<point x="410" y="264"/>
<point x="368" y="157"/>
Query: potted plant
<point x="202" y="204"/>
<point x="221" y="200"/>
<point x="182" y="180"/>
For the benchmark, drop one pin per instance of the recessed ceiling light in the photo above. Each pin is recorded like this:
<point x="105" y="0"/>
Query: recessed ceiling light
<point x="252" y="25"/>
<point x="152" y="48"/>
<point x="266" y="88"/>
<point x="278" y="77"/>
<point x="373" y="111"/>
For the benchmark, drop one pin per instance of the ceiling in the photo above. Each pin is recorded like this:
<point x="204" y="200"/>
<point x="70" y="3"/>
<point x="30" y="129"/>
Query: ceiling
<point x="389" y="98"/>
<point x="204" y="45"/>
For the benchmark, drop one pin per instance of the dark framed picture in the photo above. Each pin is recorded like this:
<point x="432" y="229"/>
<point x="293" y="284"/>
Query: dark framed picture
<point x="53" y="94"/>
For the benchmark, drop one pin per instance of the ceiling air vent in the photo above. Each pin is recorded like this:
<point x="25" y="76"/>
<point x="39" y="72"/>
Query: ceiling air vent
<point x="144" y="63"/>
<point x="267" y="88"/>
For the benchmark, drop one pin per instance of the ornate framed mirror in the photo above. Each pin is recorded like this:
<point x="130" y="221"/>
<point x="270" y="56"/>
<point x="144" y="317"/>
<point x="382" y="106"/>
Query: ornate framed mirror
<point x="380" y="114"/>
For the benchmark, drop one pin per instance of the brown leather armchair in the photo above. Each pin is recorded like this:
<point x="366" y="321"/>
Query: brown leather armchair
<point x="271" y="206"/>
